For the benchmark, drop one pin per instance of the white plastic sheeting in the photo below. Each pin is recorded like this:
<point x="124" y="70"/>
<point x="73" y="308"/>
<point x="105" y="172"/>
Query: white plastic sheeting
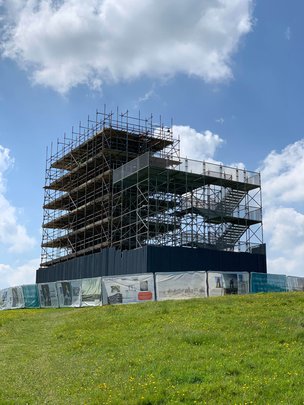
<point x="48" y="295"/>
<point x="295" y="283"/>
<point x="227" y="283"/>
<point x="91" y="292"/>
<point x="128" y="289"/>
<point x="11" y="298"/>
<point x="69" y="293"/>
<point x="3" y="298"/>
<point x="180" y="286"/>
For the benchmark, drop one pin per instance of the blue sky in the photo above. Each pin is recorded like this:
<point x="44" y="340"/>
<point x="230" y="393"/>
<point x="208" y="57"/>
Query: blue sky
<point x="232" y="69"/>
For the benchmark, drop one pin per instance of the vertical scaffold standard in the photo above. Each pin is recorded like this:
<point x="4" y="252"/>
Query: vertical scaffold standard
<point x="120" y="182"/>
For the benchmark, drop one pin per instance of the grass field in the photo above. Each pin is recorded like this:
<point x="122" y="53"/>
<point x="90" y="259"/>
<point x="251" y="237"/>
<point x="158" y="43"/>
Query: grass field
<point x="226" y="350"/>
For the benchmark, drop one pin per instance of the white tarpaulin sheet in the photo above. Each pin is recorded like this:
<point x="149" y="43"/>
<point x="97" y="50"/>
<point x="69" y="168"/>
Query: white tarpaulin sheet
<point x="69" y="293"/>
<point x="128" y="289"/>
<point x="295" y="283"/>
<point x="48" y="295"/>
<point x="227" y="283"/>
<point x="91" y="292"/>
<point x="11" y="298"/>
<point x="180" y="286"/>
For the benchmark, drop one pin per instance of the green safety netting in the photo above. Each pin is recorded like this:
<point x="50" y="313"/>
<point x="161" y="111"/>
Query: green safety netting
<point x="261" y="282"/>
<point x="31" y="296"/>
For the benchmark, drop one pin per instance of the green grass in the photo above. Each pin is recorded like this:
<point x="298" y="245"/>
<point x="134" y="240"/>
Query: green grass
<point x="226" y="350"/>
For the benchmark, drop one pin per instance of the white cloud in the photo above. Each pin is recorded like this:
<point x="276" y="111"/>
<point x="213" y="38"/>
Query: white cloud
<point x="283" y="192"/>
<point x="147" y="96"/>
<point x="283" y="175"/>
<point x="69" y="42"/>
<point x="150" y="94"/>
<point x="197" y="145"/>
<point x="21" y="274"/>
<point x="12" y="235"/>
<point x="288" y="33"/>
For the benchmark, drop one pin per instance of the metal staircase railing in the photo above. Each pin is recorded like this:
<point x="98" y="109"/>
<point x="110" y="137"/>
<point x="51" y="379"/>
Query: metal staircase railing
<point x="230" y="201"/>
<point x="231" y="235"/>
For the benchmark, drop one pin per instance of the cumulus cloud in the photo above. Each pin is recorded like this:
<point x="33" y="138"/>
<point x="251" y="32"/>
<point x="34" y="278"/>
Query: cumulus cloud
<point x="197" y="145"/>
<point x="12" y="235"/>
<point x="283" y="175"/>
<point x="21" y="274"/>
<point x="65" y="43"/>
<point x="283" y="192"/>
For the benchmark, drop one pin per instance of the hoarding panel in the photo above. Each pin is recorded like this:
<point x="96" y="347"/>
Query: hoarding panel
<point x="14" y="298"/>
<point x="69" y="293"/>
<point x="181" y="285"/>
<point x="295" y="283"/>
<point x="4" y="299"/>
<point x="91" y="292"/>
<point x="48" y="295"/>
<point x="128" y="289"/>
<point x="11" y="298"/>
<point x="261" y="282"/>
<point x="227" y="283"/>
<point x="31" y="296"/>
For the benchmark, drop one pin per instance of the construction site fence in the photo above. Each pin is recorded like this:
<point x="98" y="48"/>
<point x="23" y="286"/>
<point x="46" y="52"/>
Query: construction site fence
<point x="135" y="288"/>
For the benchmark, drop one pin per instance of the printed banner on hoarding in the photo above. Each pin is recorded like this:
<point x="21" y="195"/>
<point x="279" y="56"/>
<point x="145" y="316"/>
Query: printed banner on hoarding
<point x="11" y="298"/>
<point x="262" y="282"/>
<point x="48" y="295"/>
<point x="3" y="298"/>
<point x="91" y="292"/>
<point x="295" y="283"/>
<point x="31" y="297"/>
<point x="180" y="286"/>
<point x="128" y="289"/>
<point x="69" y="293"/>
<point x="227" y="283"/>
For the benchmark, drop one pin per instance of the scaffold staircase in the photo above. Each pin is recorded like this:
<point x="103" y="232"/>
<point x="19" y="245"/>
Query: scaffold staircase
<point x="230" y="201"/>
<point x="231" y="235"/>
<point x="216" y="213"/>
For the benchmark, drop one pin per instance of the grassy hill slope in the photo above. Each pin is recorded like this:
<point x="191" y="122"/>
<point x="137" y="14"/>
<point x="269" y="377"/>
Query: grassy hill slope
<point x="226" y="350"/>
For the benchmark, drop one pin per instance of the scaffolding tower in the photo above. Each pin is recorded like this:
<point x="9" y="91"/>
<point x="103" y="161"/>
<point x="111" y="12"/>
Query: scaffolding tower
<point x="119" y="181"/>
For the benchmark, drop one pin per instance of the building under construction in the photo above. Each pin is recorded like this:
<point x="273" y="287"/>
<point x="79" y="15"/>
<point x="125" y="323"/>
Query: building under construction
<point x="119" y="199"/>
